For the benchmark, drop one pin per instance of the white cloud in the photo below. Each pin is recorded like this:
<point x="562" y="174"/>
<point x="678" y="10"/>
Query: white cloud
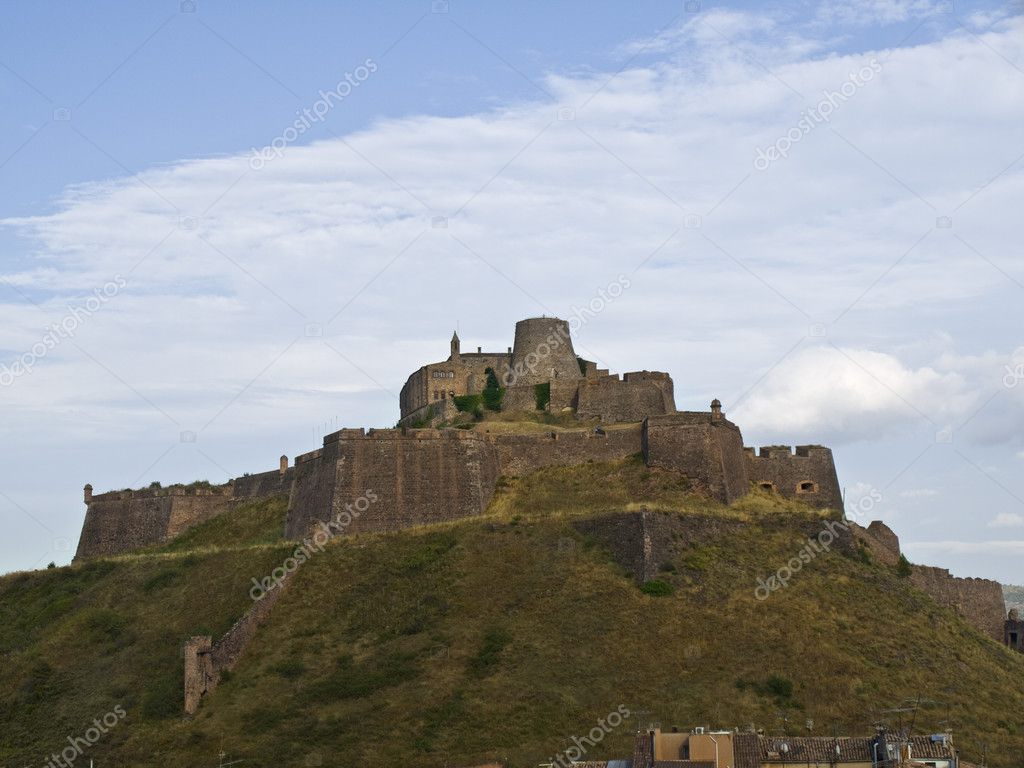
<point x="542" y="212"/>
<point x="996" y="547"/>
<point x="1007" y="520"/>
<point x="855" y="393"/>
<point x="918" y="493"/>
<point x="880" y="11"/>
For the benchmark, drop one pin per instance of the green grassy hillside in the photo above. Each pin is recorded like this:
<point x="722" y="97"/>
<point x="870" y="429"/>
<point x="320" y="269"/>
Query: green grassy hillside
<point x="498" y="637"/>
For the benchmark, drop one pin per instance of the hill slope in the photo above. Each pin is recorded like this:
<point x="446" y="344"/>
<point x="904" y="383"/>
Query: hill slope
<point x="499" y="637"/>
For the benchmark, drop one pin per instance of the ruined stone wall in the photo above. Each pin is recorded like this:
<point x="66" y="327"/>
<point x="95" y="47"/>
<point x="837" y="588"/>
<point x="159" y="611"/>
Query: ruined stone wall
<point x="707" y="450"/>
<point x="880" y="540"/>
<point x="417" y="477"/>
<point x="123" y="521"/>
<point x="634" y="398"/>
<point x="787" y="473"/>
<point x="521" y="454"/>
<point x="205" y="662"/>
<point x="980" y="601"/>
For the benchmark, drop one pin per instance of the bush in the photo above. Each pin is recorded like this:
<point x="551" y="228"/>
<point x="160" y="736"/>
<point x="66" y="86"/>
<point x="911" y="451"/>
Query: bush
<point x="493" y="392"/>
<point x="903" y="568"/>
<point x="779" y="687"/>
<point x="657" y="588"/>
<point x="468" y="403"/>
<point x="490" y="651"/>
<point x="542" y="395"/>
<point x="290" y="669"/>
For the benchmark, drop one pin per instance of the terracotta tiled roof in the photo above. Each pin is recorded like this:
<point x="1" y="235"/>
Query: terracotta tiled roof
<point x="643" y="750"/>
<point x="921" y="748"/>
<point x="684" y="764"/>
<point x="813" y="748"/>
<point x="746" y="751"/>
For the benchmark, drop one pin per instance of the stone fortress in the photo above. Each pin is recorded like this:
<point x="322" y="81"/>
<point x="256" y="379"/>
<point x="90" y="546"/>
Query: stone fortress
<point x="429" y="475"/>
<point x="423" y="474"/>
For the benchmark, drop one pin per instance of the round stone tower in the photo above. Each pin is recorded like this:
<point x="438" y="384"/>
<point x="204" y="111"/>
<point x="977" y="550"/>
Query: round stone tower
<point x="543" y="352"/>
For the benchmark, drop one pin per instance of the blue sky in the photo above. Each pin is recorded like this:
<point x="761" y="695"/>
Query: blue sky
<point x="863" y="290"/>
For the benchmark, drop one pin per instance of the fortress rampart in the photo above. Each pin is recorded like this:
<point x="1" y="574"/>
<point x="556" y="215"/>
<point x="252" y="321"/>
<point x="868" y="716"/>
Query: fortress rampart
<point x="519" y="455"/>
<point x="388" y="479"/>
<point x="705" y="447"/>
<point x="408" y="478"/>
<point x="808" y="475"/>
<point x="979" y="601"/>
<point x="122" y="521"/>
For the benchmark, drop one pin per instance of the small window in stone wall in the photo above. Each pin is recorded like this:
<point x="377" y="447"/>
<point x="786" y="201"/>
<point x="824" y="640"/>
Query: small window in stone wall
<point x="766" y="486"/>
<point x="807" y="487"/>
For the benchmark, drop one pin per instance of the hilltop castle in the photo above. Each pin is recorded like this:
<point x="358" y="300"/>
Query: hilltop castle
<point x="542" y="357"/>
<point x="432" y="475"/>
<point x="382" y="480"/>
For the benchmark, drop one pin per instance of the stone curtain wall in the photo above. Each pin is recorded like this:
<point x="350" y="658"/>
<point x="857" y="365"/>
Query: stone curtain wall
<point x="778" y="465"/>
<point x="420" y="476"/>
<point x="263" y="484"/>
<point x="634" y="398"/>
<point x="979" y="601"/>
<point x="123" y="521"/>
<point x="519" y="455"/>
<point x="708" y="451"/>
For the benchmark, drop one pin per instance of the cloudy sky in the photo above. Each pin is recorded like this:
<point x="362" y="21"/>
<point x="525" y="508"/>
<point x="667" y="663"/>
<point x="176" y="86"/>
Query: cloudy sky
<point x="224" y="233"/>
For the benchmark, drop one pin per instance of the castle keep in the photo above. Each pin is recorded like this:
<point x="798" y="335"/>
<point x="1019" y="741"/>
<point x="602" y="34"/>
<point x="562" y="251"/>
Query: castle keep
<point x="542" y="355"/>
<point x="426" y="475"/>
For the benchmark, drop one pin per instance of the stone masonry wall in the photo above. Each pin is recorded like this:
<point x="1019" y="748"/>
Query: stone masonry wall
<point x="980" y="601"/>
<point x="205" y="661"/>
<point x="520" y="454"/>
<point x="707" y="450"/>
<point x="263" y="484"/>
<point x="787" y="472"/>
<point x="123" y="521"/>
<point x="634" y="398"/>
<point x="418" y="476"/>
